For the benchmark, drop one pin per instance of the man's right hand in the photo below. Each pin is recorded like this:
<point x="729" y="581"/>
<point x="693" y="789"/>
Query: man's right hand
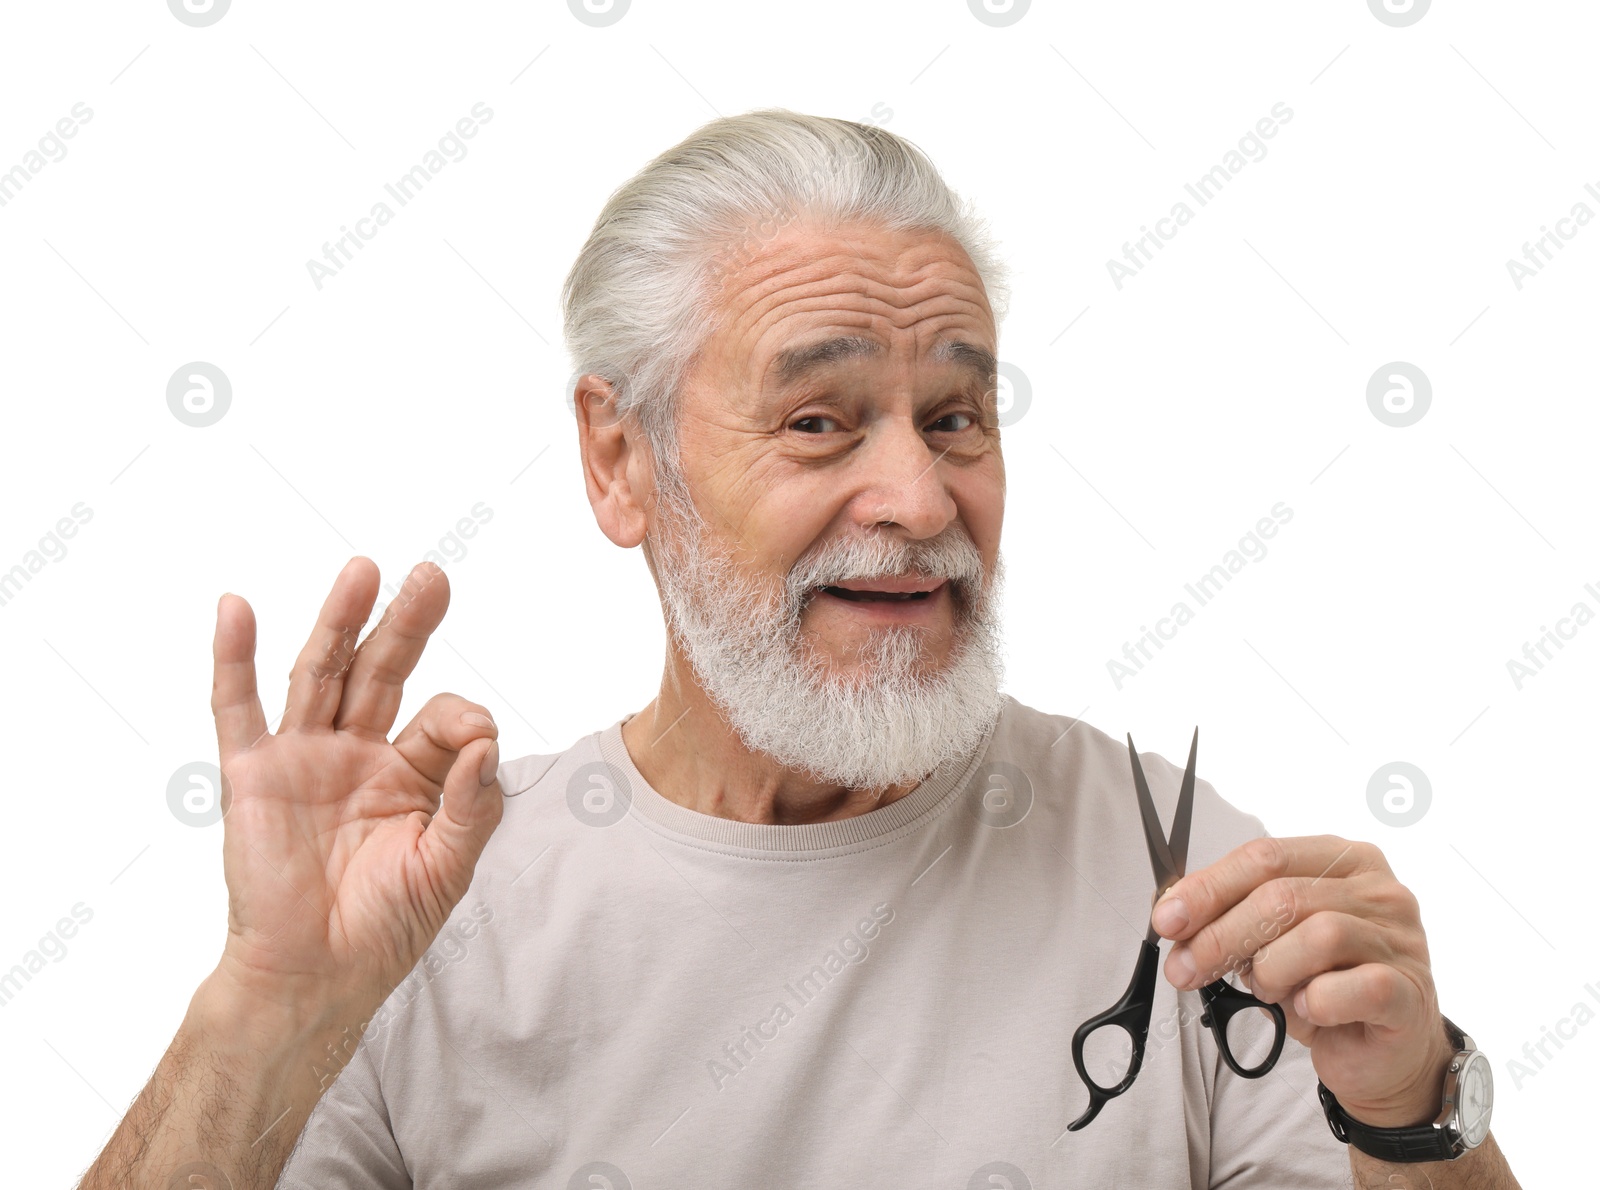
<point x="344" y="853"/>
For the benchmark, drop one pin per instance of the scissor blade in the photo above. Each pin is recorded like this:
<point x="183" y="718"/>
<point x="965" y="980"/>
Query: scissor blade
<point x="1178" y="845"/>
<point x="1166" y="872"/>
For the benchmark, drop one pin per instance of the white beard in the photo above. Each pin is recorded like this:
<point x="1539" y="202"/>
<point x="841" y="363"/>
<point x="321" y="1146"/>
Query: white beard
<point x="888" y="724"/>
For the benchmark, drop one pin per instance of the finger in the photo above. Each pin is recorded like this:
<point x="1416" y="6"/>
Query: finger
<point x="375" y="683"/>
<point x="1325" y="941"/>
<point x="235" y="702"/>
<point x="1279" y="907"/>
<point x="446" y="724"/>
<point x="316" y="683"/>
<point x="1228" y="944"/>
<point x="1203" y="896"/>
<point x="467" y="816"/>
<point x="1374" y="994"/>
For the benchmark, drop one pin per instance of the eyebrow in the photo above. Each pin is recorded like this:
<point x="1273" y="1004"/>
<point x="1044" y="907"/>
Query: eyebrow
<point x="795" y="363"/>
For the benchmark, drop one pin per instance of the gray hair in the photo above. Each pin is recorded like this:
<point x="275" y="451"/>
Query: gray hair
<point x="643" y="294"/>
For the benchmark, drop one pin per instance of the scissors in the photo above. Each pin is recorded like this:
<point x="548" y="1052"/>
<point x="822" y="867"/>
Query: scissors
<point x="1221" y="1000"/>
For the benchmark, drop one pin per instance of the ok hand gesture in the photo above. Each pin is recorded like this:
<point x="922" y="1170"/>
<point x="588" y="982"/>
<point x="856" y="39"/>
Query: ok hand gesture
<point x="345" y="852"/>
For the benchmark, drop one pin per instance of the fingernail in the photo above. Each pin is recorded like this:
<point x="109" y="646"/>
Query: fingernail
<point x="477" y="719"/>
<point x="491" y="764"/>
<point x="1182" y="967"/>
<point x="1300" y="1004"/>
<point x="1170" y="916"/>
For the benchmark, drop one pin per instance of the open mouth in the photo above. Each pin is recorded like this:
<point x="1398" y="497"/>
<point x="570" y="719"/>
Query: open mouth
<point x="877" y="596"/>
<point x="883" y="592"/>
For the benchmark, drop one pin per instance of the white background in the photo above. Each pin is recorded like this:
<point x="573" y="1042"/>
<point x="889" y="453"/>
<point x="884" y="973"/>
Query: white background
<point x="1166" y="418"/>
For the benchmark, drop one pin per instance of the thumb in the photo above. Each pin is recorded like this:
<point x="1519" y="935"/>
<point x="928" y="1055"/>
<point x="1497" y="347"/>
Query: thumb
<point x="468" y="813"/>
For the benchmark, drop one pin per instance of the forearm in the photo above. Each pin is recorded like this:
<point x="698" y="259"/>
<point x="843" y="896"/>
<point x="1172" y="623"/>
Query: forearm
<point x="1484" y="1168"/>
<point x="232" y="1092"/>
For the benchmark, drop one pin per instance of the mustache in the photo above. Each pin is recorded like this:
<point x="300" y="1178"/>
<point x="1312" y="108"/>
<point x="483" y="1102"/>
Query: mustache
<point x="951" y="556"/>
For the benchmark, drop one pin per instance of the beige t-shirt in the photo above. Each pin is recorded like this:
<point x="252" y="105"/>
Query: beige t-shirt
<point x="633" y="994"/>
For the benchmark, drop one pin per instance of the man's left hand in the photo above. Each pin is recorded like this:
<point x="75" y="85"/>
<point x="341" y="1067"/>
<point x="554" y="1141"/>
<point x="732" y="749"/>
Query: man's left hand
<point x="1321" y="926"/>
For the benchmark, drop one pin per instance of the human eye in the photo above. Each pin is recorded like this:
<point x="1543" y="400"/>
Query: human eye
<point x="817" y="424"/>
<point x="940" y="425"/>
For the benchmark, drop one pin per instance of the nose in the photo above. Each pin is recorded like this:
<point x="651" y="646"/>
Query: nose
<point x="905" y="487"/>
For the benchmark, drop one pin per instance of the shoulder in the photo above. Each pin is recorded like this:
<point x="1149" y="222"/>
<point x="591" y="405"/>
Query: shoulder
<point x="534" y="788"/>
<point x="1086" y="775"/>
<point x="525" y="773"/>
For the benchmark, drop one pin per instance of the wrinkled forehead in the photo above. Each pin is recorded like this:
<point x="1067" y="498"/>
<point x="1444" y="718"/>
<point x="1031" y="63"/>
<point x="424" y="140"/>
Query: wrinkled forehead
<point x="818" y="301"/>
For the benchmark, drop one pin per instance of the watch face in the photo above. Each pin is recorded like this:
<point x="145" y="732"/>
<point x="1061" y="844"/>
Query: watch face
<point x="1475" y="1100"/>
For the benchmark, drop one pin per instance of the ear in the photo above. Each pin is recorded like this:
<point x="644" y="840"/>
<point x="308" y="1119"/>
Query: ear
<point x="616" y="462"/>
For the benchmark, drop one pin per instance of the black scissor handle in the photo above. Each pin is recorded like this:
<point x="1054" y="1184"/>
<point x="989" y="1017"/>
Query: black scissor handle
<point x="1222" y="1000"/>
<point x="1132" y="1014"/>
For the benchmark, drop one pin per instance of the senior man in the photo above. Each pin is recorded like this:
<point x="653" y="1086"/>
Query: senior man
<point x="828" y="909"/>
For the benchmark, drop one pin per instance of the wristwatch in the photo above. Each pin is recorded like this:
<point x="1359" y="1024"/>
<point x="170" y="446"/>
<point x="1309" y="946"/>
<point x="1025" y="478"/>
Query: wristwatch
<point x="1462" y="1124"/>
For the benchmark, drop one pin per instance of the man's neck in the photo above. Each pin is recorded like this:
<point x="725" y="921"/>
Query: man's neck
<point x="689" y="754"/>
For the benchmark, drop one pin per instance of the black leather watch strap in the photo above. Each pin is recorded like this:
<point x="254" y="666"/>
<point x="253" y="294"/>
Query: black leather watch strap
<point x="1423" y="1142"/>
<point x="1426" y="1142"/>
